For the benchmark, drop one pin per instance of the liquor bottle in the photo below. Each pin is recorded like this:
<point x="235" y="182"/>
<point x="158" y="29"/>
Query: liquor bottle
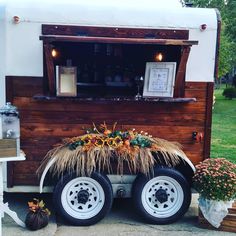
<point x="118" y="51"/>
<point x="96" y="63"/>
<point x="96" y="76"/>
<point x="118" y="77"/>
<point x="108" y="74"/>
<point x="69" y="62"/>
<point x="127" y="76"/>
<point x="97" y="49"/>
<point x="85" y="78"/>
<point x="109" y="50"/>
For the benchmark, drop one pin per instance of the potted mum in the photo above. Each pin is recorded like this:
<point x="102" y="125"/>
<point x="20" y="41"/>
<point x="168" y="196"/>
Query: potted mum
<point x="215" y="180"/>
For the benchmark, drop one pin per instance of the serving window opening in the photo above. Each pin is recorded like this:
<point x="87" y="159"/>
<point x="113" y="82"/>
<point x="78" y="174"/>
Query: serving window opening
<point x="106" y="67"/>
<point x="106" y="70"/>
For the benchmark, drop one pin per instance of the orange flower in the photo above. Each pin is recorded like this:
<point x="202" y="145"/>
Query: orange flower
<point x="107" y="132"/>
<point x="127" y="142"/>
<point x="37" y="205"/>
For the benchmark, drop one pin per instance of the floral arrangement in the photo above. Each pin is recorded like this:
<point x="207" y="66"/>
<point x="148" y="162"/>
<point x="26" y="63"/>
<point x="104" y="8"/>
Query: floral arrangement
<point x="36" y="205"/>
<point x="99" y="146"/>
<point x="38" y="215"/>
<point x="215" y="179"/>
<point x="102" y="136"/>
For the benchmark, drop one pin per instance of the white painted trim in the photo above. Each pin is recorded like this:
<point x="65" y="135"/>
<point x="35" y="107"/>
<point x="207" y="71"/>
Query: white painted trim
<point x="21" y="157"/>
<point x="3" y="41"/>
<point x="115" y="179"/>
<point x="185" y="158"/>
<point x="49" y="164"/>
<point x="28" y="189"/>
<point x="35" y="189"/>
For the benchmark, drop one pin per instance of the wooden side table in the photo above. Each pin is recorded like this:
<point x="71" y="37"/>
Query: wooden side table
<point x="4" y="208"/>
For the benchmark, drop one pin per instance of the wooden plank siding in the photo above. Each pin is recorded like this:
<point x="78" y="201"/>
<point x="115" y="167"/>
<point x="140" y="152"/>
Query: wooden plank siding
<point x="46" y="122"/>
<point x="87" y="39"/>
<point x="115" y="32"/>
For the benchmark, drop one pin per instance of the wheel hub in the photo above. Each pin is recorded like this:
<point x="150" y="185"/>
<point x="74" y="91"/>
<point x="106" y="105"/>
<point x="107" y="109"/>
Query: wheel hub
<point x="83" y="196"/>
<point x="161" y="195"/>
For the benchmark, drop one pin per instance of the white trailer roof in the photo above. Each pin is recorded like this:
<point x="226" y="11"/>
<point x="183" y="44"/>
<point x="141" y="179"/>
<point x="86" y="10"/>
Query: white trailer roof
<point x="126" y="13"/>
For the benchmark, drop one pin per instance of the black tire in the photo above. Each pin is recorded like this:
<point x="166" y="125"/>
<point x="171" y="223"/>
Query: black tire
<point x="83" y="201"/>
<point x="162" y="199"/>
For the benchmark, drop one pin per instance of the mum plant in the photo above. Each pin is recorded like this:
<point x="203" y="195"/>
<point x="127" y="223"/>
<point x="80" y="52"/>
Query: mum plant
<point x="215" y="179"/>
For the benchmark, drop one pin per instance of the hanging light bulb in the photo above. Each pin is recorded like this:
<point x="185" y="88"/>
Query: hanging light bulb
<point x="54" y="52"/>
<point x="159" y="57"/>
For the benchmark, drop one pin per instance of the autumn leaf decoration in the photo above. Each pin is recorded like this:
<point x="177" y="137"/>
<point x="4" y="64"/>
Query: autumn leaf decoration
<point x="36" y="206"/>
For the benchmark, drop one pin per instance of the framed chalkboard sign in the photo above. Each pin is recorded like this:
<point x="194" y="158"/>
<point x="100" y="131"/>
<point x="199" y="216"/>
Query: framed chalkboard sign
<point x="159" y="79"/>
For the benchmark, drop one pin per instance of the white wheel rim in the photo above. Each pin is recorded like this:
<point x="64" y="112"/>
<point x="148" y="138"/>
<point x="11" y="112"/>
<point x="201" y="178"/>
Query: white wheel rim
<point x="94" y="204"/>
<point x="174" y="194"/>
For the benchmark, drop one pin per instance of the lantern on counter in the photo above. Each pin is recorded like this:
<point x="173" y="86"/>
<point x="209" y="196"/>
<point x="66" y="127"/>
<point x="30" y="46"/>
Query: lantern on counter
<point x="9" y="131"/>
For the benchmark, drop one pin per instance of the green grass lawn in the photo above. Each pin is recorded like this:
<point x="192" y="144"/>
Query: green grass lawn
<point x="223" y="142"/>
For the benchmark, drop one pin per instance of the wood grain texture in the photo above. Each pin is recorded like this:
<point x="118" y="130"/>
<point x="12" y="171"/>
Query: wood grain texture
<point x="67" y="105"/>
<point x="180" y="76"/>
<point x="23" y="86"/>
<point x="227" y="225"/>
<point x="72" y="30"/>
<point x="50" y="69"/>
<point x="208" y="120"/>
<point x="58" y="38"/>
<point x="79" y="117"/>
<point x="7" y="147"/>
<point x="45" y="123"/>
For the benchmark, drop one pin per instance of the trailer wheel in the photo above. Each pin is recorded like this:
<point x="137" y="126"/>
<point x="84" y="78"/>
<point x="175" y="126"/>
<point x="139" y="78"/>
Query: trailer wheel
<point x="83" y="200"/>
<point x="162" y="199"/>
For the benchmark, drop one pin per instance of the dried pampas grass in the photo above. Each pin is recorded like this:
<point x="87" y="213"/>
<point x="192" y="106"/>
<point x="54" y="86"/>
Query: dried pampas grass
<point x="84" y="160"/>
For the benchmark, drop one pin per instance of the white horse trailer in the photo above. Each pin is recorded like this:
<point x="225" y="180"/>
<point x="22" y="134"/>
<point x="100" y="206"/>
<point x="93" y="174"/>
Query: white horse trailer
<point x="110" y="45"/>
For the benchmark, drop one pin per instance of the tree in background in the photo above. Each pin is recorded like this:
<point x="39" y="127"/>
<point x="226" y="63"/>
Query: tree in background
<point x="227" y="8"/>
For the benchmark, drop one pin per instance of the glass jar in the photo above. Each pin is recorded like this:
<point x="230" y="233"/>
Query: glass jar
<point x="10" y="123"/>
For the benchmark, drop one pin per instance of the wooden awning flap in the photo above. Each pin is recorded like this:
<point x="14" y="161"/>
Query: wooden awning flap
<point x="90" y="39"/>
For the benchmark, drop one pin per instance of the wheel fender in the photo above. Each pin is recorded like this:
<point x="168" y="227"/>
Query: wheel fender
<point x="188" y="162"/>
<point x="49" y="164"/>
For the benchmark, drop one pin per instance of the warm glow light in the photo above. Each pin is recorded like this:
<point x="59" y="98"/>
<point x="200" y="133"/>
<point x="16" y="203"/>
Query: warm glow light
<point x="159" y="57"/>
<point x="54" y="52"/>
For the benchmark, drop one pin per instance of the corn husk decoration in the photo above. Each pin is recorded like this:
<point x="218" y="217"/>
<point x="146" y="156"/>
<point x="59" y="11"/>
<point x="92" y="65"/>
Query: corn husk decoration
<point x="99" y="147"/>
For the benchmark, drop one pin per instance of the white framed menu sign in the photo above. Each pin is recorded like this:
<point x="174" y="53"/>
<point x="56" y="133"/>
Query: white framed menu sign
<point x="159" y="79"/>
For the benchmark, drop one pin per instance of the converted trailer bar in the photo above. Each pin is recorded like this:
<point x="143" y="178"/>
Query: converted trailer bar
<point x="75" y="63"/>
